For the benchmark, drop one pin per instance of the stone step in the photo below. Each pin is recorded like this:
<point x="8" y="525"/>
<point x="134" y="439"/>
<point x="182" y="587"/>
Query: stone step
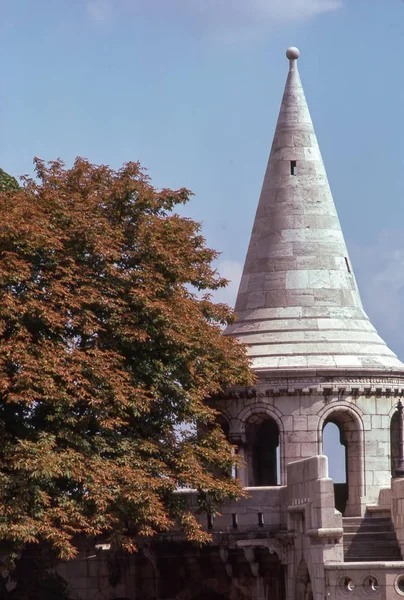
<point x="370" y="559"/>
<point x="357" y="554"/>
<point x="366" y="528"/>
<point x="375" y="557"/>
<point x="370" y="520"/>
<point x="375" y="512"/>
<point x="370" y="539"/>
<point x="376" y="545"/>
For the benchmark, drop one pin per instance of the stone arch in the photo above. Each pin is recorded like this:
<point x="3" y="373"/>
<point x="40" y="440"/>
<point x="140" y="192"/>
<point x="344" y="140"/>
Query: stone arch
<point x="261" y="407"/>
<point x="256" y="412"/>
<point x="394" y="440"/>
<point x="303" y="587"/>
<point x="394" y="406"/>
<point x="342" y="407"/>
<point x="262" y="450"/>
<point x="336" y="449"/>
<point x="350" y="424"/>
<point x="224" y="422"/>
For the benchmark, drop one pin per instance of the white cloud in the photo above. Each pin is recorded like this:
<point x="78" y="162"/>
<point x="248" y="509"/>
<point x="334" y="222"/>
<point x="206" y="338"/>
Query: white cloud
<point x="99" y="10"/>
<point x="214" y="16"/>
<point x="231" y="270"/>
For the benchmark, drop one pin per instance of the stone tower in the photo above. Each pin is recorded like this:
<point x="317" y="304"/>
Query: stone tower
<point x="318" y="360"/>
<point x="297" y="535"/>
<point x="316" y="355"/>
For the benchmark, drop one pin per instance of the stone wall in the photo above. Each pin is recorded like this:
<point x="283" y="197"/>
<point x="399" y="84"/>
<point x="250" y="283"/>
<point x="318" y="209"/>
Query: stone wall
<point x="397" y="510"/>
<point x="263" y="508"/>
<point x="316" y="525"/>
<point x="96" y="574"/>
<point x="280" y="542"/>
<point x="361" y="408"/>
<point x="358" y="581"/>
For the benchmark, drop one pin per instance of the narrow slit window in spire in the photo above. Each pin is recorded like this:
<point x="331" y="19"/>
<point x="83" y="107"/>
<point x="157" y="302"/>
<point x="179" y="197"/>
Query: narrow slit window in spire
<point x="293" y="167"/>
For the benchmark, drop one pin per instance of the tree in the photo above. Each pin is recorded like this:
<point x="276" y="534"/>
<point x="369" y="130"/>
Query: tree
<point x="7" y="182"/>
<point x="106" y="351"/>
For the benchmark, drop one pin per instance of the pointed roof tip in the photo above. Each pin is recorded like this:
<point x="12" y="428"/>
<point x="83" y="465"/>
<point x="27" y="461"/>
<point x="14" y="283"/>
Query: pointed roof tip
<point x="298" y="305"/>
<point x="292" y="54"/>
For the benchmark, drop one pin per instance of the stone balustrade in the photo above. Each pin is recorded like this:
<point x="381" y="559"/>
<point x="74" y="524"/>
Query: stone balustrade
<point x="262" y="508"/>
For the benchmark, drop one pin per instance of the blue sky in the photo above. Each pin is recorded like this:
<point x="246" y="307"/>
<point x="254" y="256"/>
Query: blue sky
<point x="191" y="88"/>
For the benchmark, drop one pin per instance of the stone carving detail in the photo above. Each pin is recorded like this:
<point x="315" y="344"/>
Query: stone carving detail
<point x="250" y="558"/>
<point x="273" y="545"/>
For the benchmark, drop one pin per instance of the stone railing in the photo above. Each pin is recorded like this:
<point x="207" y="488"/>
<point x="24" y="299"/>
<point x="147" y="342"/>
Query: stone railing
<point x="263" y="508"/>
<point x="312" y="517"/>
<point x="311" y="491"/>
<point x="397" y="510"/>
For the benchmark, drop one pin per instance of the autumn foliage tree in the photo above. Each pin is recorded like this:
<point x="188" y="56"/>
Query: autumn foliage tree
<point x="109" y="344"/>
<point x="7" y="182"/>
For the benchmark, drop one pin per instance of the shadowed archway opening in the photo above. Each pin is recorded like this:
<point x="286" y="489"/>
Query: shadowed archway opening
<point x="348" y="488"/>
<point x="224" y="424"/>
<point x="262" y="456"/>
<point x="394" y="441"/>
<point x="214" y="572"/>
<point x="335" y="447"/>
<point x="303" y="588"/>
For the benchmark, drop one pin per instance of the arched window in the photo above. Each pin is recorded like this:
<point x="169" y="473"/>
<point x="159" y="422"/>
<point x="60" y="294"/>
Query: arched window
<point x="335" y="447"/>
<point x="394" y="441"/>
<point x="224" y="424"/>
<point x="262" y="438"/>
<point x="348" y="481"/>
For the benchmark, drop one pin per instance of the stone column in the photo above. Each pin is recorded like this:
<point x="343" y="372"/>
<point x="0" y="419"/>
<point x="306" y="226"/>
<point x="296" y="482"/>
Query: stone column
<point x="238" y="440"/>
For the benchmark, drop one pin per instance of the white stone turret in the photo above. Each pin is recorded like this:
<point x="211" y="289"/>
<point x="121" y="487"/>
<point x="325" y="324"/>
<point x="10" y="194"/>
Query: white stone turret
<point x="298" y="304"/>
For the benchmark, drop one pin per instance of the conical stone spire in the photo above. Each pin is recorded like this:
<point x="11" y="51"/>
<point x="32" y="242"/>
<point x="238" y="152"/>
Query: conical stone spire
<point x="298" y="304"/>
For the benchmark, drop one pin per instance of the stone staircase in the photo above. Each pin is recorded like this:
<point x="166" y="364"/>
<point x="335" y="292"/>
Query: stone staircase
<point x="370" y="538"/>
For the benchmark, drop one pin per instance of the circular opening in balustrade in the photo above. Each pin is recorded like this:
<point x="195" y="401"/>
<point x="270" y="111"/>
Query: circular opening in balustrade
<point x="346" y="585"/>
<point x="370" y="584"/>
<point x="399" y="585"/>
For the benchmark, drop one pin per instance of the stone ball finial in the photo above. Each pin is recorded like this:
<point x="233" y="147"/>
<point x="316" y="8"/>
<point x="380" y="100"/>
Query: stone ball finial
<point x="293" y="53"/>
